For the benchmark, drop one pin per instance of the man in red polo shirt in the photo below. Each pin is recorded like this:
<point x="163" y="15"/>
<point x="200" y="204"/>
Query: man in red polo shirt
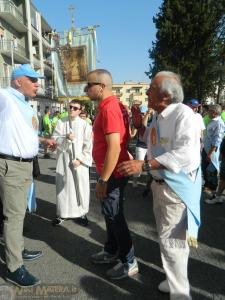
<point x="111" y="134"/>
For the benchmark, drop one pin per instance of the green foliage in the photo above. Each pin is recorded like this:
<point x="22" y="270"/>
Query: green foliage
<point x="90" y="107"/>
<point x="190" y="41"/>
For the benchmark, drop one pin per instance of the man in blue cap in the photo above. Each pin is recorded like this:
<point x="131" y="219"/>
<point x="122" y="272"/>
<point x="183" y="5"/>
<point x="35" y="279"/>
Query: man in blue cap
<point x="18" y="131"/>
<point x="194" y="105"/>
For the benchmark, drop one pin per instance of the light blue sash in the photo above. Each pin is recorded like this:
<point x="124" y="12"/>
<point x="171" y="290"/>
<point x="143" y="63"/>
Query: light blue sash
<point x="186" y="187"/>
<point x="31" y="199"/>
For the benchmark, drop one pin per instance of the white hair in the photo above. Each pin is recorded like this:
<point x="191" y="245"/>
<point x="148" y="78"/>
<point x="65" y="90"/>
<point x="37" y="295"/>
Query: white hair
<point x="171" y="85"/>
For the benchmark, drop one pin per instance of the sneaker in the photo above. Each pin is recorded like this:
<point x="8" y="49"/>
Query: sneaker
<point x="31" y="255"/>
<point x="58" y="221"/>
<point x="122" y="270"/>
<point x="103" y="257"/>
<point x="214" y="200"/>
<point x="207" y="191"/>
<point x="164" y="287"/>
<point x="21" y="277"/>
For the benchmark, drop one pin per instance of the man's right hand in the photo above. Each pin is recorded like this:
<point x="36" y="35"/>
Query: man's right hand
<point x="130" y="167"/>
<point x="70" y="136"/>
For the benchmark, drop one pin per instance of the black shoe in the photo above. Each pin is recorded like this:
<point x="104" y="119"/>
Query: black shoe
<point x="83" y="221"/>
<point x="31" y="255"/>
<point x="57" y="221"/>
<point x="21" y="277"/>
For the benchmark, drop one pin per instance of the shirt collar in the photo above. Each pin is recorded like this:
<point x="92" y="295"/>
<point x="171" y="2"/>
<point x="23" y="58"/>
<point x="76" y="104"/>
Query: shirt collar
<point x="16" y="93"/>
<point x="105" y="101"/>
<point x="168" y="110"/>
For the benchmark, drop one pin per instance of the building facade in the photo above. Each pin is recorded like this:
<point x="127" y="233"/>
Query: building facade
<point x="25" y="39"/>
<point x="130" y="93"/>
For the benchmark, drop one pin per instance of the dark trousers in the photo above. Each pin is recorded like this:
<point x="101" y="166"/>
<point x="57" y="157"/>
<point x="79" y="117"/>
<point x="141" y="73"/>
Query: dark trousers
<point x="1" y="217"/>
<point x="210" y="177"/>
<point x="118" y="236"/>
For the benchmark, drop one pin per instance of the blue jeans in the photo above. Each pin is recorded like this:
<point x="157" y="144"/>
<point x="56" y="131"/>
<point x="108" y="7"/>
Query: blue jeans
<point x="118" y="236"/>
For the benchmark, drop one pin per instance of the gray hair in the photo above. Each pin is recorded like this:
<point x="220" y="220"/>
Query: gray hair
<point x="171" y="85"/>
<point x="215" y="108"/>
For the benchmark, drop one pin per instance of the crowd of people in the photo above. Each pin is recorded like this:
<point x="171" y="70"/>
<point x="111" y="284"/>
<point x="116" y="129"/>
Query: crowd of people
<point x="174" y="142"/>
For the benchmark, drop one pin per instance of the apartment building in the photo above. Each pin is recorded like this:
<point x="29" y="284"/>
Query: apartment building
<point x="25" y="38"/>
<point x="130" y="93"/>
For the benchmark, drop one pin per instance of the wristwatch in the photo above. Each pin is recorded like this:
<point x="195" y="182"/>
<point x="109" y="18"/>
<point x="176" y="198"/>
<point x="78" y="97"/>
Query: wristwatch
<point x="101" y="181"/>
<point x="146" y="167"/>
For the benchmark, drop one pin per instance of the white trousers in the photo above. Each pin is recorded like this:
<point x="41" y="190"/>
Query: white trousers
<point x="171" y="221"/>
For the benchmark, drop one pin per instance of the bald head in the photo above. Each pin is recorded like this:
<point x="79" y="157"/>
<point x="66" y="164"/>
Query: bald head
<point x="103" y="76"/>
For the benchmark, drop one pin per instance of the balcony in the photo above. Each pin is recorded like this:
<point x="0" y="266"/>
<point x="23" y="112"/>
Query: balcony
<point x="47" y="69"/>
<point x="137" y="94"/>
<point x="35" y="34"/>
<point x="46" y="43"/>
<point x="4" y="82"/>
<point x="118" y="94"/>
<point x="36" y="60"/>
<point x="11" y="14"/>
<point x="19" y="53"/>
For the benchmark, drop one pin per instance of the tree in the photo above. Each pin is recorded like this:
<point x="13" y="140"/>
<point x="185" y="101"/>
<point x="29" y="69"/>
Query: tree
<point x="185" y="43"/>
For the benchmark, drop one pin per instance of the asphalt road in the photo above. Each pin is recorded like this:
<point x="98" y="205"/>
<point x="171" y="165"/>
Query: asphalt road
<point x="65" y="269"/>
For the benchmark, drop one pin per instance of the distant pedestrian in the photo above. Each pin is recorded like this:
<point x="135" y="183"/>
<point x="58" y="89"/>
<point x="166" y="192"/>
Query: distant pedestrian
<point x="47" y="129"/>
<point x="210" y="154"/>
<point x="218" y="197"/>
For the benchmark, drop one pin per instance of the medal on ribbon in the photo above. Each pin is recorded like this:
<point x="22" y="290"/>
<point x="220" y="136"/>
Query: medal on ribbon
<point x="34" y="123"/>
<point x="153" y="136"/>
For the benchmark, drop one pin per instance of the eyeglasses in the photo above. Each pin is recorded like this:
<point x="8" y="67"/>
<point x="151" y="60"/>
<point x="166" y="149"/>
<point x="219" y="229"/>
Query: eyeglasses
<point x="32" y="79"/>
<point x="74" y="107"/>
<point x="91" y="84"/>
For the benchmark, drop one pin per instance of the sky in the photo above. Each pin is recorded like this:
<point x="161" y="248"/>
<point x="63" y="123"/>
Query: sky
<point x="125" y="33"/>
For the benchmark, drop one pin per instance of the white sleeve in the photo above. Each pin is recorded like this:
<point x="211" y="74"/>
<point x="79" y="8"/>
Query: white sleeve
<point x="184" y="145"/>
<point x="3" y="99"/>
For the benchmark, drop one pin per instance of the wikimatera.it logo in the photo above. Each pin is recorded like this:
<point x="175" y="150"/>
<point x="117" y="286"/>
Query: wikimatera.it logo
<point x="40" y="292"/>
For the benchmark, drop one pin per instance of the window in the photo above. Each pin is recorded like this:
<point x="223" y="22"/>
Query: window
<point x="127" y="91"/>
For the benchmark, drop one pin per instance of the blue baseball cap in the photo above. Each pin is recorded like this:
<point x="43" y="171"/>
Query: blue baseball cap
<point x="143" y="109"/>
<point x="25" y="70"/>
<point x="194" y="103"/>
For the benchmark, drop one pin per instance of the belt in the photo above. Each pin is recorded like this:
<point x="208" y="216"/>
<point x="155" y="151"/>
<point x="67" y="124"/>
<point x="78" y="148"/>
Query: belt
<point x="16" y="158"/>
<point x="159" y="181"/>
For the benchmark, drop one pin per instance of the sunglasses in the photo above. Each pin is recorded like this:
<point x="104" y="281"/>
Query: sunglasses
<point x="74" y="107"/>
<point x="91" y="84"/>
<point x="32" y="79"/>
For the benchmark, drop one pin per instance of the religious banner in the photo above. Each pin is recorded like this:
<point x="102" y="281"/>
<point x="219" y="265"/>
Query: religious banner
<point x="75" y="64"/>
<point x="73" y="57"/>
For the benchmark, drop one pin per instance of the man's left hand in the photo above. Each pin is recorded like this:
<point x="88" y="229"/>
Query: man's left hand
<point x="130" y="167"/>
<point x="100" y="191"/>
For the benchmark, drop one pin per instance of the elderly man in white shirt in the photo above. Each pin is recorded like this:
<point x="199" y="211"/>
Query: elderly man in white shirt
<point x="18" y="147"/>
<point x="174" y="164"/>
